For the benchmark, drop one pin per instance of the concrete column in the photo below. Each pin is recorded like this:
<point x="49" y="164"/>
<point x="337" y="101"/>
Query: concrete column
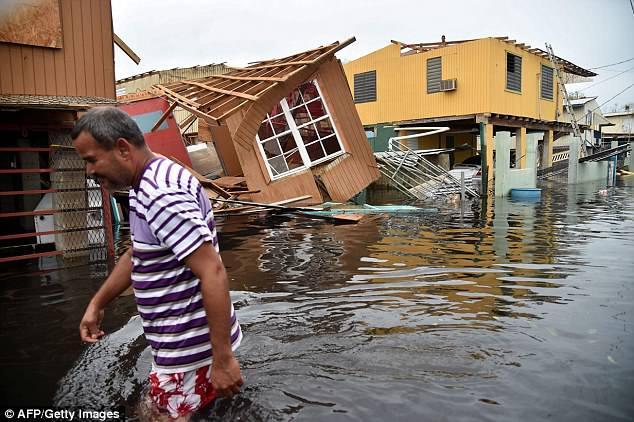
<point x="531" y="154"/>
<point x="520" y="148"/>
<point x="630" y="163"/>
<point x="547" y="150"/>
<point x="573" y="160"/>
<point x="488" y="130"/>
<point x="502" y="162"/>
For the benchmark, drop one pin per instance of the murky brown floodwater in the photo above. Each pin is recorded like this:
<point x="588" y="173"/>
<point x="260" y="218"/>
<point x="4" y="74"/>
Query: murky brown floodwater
<point x="520" y="312"/>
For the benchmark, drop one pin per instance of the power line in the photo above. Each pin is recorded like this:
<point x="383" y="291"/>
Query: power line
<point x="610" y="65"/>
<point x="614" y="70"/>
<point x="611" y="77"/>
<point x="605" y="102"/>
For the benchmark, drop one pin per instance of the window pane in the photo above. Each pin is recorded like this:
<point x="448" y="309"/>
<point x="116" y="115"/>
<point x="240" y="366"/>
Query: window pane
<point x="315" y="151"/>
<point x="300" y="115"/>
<point x="316" y="109"/>
<point x="308" y="133"/>
<point x="331" y="145"/>
<point x="287" y="142"/>
<point x="294" y="99"/>
<point x="324" y="127"/>
<point x="271" y="148"/>
<point x="278" y="165"/>
<point x="308" y="91"/>
<point x="265" y="130"/>
<point x="294" y="160"/>
<point x="279" y="124"/>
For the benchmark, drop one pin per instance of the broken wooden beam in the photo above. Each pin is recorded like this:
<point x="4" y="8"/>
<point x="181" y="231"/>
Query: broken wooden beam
<point x="125" y="48"/>
<point x="301" y="211"/>
<point x="163" y="116"/>
<point x="222" y="91"/>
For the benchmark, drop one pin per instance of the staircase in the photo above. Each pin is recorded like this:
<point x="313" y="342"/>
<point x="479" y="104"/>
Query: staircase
<point x="415" y="176"/>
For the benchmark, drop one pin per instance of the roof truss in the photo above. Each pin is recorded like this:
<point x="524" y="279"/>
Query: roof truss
<point x="218" y="96"/>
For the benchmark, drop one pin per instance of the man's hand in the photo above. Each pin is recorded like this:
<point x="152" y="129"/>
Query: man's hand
<point x="225" y="376"/>
<point x="116" y="283"/>
<point x="89" y="326"/>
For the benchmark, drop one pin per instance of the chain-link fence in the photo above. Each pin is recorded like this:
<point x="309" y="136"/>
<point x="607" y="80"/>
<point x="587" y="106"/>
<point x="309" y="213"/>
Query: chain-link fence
<point x="82" y="219"/>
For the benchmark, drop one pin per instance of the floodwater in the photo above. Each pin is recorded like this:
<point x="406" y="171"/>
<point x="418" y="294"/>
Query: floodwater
<point x="519" y="311"/>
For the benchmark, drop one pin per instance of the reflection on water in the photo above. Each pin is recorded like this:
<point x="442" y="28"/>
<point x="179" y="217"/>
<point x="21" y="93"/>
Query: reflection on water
<point x="512" y="311"/>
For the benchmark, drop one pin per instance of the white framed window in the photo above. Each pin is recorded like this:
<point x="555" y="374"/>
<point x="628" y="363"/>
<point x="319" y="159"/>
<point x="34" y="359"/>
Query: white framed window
<point x="298" y="133"/>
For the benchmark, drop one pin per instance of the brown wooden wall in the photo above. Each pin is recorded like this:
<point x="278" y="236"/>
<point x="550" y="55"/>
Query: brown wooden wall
<point x="221" y="138"/>
<point x="345" y="178"/>
<point x="84" y="66"/>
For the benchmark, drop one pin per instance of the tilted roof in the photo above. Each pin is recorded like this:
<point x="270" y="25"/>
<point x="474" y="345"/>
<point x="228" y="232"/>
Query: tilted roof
<point x="219" y="96"/>
<point x="567" y="66"/>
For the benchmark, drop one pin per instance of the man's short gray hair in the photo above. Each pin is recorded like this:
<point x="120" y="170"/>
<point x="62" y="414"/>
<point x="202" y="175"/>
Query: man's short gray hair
<point x="106" y="125"/>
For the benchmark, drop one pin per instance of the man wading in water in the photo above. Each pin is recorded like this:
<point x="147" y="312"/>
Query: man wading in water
<point x="179" y="281"/>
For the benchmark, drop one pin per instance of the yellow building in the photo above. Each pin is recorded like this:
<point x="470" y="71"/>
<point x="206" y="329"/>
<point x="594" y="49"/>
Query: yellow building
<point x="475" y="87"/>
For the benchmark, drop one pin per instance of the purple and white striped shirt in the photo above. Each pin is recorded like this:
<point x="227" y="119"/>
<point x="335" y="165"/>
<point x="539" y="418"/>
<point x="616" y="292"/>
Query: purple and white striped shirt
<point x="170" y="217"/>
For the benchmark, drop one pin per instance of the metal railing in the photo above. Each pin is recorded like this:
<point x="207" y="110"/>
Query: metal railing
<point x="414" y="175"/>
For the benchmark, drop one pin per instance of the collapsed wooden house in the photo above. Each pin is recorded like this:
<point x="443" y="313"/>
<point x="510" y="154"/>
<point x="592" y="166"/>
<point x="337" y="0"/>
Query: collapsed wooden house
<point x="288" y="126"/>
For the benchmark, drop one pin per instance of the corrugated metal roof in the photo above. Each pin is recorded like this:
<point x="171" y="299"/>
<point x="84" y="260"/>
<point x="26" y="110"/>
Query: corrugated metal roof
<point x="139" y="76"/>
<point x="51" y="101"/>
<point x="619" y="113"/>
<point x="581" y="101"/>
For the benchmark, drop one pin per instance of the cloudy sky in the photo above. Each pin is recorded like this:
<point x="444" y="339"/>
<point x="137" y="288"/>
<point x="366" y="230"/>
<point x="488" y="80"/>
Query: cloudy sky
<point x="178" y="33"/>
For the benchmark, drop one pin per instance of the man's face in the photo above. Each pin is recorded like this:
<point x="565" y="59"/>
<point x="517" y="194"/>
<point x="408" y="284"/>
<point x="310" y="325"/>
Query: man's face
<point x="111" y="167"/>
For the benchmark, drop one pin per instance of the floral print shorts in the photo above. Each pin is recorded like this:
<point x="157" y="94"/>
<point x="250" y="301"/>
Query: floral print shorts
<point x="182" y="393"/>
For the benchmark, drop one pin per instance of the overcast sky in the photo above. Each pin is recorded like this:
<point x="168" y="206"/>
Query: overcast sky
<point x="179" y="33"/>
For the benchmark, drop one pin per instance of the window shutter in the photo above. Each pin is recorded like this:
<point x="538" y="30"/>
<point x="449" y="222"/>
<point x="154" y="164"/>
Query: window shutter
<point x="365" y="87"/>
<point x="547" y="83"/>
<point x="434" y="74"/>
<point x="513" y="72"/>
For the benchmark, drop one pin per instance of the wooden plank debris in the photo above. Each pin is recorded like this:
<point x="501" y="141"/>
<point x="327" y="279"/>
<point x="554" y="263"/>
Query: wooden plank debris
<point x="125" y="48"/>
<point x="301" y="211"/>
<point x="206" y="183"/>
<point x="164" y="116"/>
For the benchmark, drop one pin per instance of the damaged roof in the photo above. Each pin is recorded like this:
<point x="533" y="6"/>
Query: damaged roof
<point x="219" y="96"/>
<point x="567" y="66"/>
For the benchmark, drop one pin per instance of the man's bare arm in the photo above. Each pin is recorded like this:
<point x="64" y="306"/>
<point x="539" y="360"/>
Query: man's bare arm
<point x="208" y="267"/>
<point x="116" y="283"/>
